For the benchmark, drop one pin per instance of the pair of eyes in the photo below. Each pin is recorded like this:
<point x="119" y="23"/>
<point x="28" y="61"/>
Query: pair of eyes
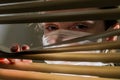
<point x="76" y="27"/>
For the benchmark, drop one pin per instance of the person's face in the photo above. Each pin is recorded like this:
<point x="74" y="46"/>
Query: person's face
<point x="84" y="26"/>
<point x="88" y="26"/>
<point x="91" y="26"/>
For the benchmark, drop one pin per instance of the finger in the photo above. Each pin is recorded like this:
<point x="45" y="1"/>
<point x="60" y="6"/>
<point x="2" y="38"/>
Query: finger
<point x="11" y="61"/>
<point x="26" y="61"/>
<point x="15" y="48"/>
<point x="25" y="47"/>
<point x="4" y="61"/>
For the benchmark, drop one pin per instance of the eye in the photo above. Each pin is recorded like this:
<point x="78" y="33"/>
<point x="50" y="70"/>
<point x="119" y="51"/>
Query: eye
<point x="51" y="27"/>
<point x="79" y="27"/>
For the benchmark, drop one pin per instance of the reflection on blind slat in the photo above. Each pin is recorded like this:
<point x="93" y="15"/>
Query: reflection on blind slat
<point x="34" y="6"/>
<point x="60" y="17"/>
<point x="29" y="75"/>
<point x="12" y="1"/>
<point x="89" y="57"/>
<point x="104" y="71"/>
<point x="85" y="47"/>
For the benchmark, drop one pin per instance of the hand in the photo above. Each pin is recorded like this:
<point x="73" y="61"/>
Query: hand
<point x="16" y="48"/>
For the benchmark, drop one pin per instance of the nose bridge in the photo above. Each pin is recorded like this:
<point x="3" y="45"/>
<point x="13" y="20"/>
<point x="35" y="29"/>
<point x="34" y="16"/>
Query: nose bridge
<point x="55" y="38"/>
<point x="63" y="25"/>
<point x="59" y="36"/>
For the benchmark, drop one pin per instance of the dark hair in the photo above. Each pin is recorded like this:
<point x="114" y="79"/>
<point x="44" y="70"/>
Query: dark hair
<point x="109" y="23"/>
